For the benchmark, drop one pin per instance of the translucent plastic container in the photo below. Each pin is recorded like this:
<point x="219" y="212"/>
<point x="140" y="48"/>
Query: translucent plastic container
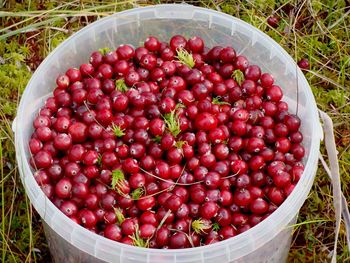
<point x="269" y="241"/>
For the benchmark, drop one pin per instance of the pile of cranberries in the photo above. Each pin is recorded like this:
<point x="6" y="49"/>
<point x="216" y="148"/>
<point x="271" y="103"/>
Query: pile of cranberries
<point x="169" y="145"/>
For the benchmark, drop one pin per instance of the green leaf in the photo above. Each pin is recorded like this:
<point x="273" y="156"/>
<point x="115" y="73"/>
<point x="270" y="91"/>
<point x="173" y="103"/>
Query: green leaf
<point x="119" y="132"/>
<point x="172" y="122"/>
<point x="137" y="193"/>
<point x="180" y="144"/>
<point x="120" y="85"/>
<point x="238" y="76"/>
<point x="216" y="227"/>
<point x="99" y="160"/>
<point x="117" y="178"/>
<point x="104" y="50"/>
<point x="185" y="57"/>
<point x="157" y="139"/>
<point x="119" y="215"/>
<point x="199" y="226"/>
<point x="180" y="106"/>
<point x="217" y="101"/>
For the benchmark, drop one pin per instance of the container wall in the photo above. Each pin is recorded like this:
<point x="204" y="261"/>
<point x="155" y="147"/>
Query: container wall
<point x="274" y="251"/>
<point x="133" y="27"/>
<point x="63" y="251"/>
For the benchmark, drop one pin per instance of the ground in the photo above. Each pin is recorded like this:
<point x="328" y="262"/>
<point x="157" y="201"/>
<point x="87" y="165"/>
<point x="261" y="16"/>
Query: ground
<point x="316" y="30"/>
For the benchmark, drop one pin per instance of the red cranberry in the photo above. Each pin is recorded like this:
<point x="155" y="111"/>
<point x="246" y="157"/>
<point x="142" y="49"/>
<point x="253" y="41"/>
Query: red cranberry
<point x="177" y="42"/>
<point x="209" y="210"/>
<point x="178" y="240"/>
<point x="113" y="232"/>
<point x="273" y="21"/>
<point x="152" y="44"/>
<point x="195" y="44"/>
<point x="304" y="63"/>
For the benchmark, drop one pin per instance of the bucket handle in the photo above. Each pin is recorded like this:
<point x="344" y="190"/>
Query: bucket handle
<point x="339" y="201"/>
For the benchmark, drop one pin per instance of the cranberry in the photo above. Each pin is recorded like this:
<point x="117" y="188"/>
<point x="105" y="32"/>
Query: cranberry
<point x="282" y="179"/>
<point x="226" y="198"/>
<point x="274" y="93"/>
<point x="223" y="217"/>
<point x="283" y="144"/>
<point x="86" y="69"/>
<point x="167" y="141"/>
<point x="239" y="167"/>
<point x="304" y="63"/>
<point x="41" y="177"/>
<point x="214" y="53"/>
<point x="113" y="232"/>
<point x="243" y="181"/>
<point x="227" y="232"/>
<point x="125" y="52"/>
<point x="163" y="236"/>
<point x="42" y="159"/>
<point x="287" y="190"/>
<point x="146" y="203"/>
<point x="62" y="81"/>
<point x="128" y="226"/>
<point x="195" y="44"/>
<point x="298" y="151"/>
<point x="174" y="202"/>
<point x="167" y="54"/>
<point x="178" y="240"/>
<point x="152" y="44"/>
<point x="205" y="121"/>
<point x="69" y="208"/>
<point x="131" y="166"/>
<point x="137" y="180"/>
<point x="177" y="42"/>
<point x="242" y="197"/>
<point x="212" y="180"/>
<point x="209" y="210"/>
<point x="147" y="231"/>
<point x="273" y="21"/>
<point x="296" y="137"/>
<point x="63" y="188"/>
<point x="275" y="195"/>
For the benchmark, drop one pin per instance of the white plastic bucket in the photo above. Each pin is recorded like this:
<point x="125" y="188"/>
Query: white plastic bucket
<point x="269" y="241"/>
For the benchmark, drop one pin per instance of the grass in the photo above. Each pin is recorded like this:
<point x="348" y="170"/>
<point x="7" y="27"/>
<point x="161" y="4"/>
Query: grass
<point x="315" y="29"/>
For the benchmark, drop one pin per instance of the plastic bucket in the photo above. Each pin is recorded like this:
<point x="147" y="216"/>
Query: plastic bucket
<point x="269" y="241"/>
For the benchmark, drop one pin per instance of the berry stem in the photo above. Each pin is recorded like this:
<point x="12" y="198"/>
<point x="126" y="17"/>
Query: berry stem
<point x="232" y="175"/>
<point x="164" y="218"/>
<point x="174" y="183"/>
